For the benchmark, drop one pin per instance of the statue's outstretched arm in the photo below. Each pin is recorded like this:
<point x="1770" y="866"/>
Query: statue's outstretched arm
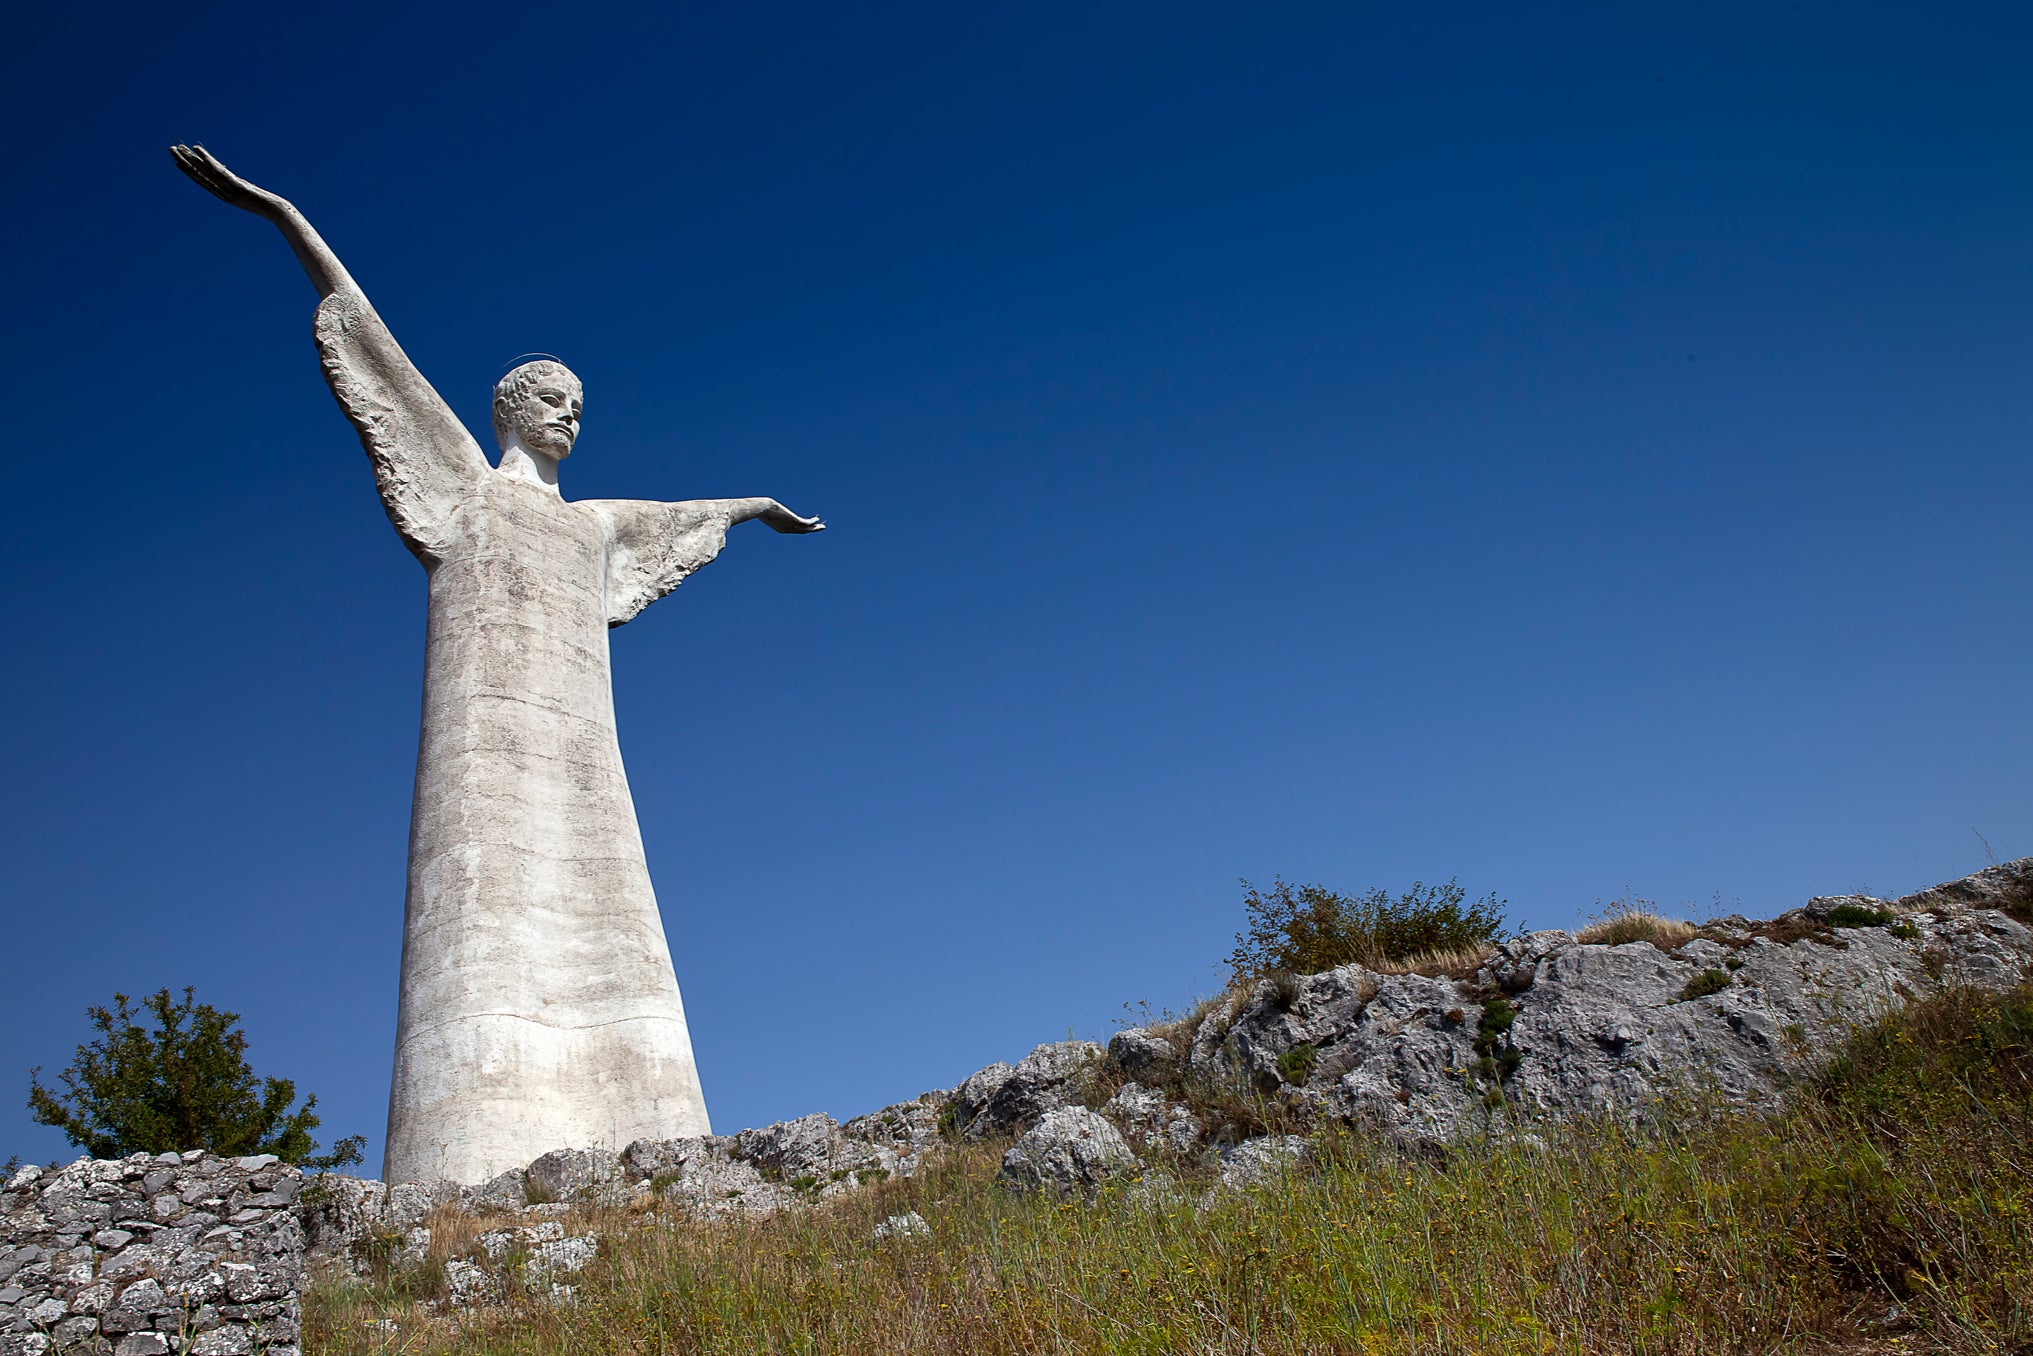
<point x="425" y="462"/>
<point x="653" y="546"/>
<point x="327" y="273"/>
<point x="769" y="510"/>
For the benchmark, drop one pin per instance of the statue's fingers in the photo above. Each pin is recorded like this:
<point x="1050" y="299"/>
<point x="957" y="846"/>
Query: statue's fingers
<point x="196" y="169"/>
<point x="216" y="166"/>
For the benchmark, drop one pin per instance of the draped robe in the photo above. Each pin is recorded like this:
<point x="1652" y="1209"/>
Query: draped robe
<point x="539" y="1008"/>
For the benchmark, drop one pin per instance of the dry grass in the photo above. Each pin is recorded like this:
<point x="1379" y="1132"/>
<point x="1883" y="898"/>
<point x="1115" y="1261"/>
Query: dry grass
<point x="1446" y="962"/>
<point x="1636" y="920"/>
<point x="1895" y="1194"/>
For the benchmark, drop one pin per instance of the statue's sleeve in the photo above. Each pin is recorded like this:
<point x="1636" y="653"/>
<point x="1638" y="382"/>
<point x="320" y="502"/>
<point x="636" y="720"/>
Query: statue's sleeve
<point x="425" y="462"/>
<point x="652" y="547"/>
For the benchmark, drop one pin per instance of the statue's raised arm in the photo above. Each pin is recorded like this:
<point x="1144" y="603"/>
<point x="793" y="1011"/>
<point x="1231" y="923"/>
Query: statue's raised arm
<point x="425" y="462"/>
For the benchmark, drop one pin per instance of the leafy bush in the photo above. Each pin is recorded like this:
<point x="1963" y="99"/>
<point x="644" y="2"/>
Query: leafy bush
<point x="185" y="1085"/>
<point x="1308" y="928"/>
<point x="1857" y="916"/>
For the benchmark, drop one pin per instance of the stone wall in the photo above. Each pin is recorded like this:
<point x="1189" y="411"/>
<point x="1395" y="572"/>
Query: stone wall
<point x="150" y="1255"/>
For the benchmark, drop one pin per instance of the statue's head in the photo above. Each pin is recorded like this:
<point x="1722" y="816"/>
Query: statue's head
<point x="539" y="403"/>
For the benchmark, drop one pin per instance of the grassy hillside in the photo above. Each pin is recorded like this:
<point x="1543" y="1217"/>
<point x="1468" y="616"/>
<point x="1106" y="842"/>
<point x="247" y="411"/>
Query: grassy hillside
<point x="1889" y="1208"/>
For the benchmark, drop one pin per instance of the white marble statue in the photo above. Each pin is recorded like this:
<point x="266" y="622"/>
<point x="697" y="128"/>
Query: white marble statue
<point x="539" y="1006"/>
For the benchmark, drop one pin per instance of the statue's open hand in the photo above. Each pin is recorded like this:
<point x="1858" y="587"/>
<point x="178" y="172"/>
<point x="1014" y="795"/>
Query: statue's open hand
<point x="223" y="184"/>
<point x="783" y="520"/>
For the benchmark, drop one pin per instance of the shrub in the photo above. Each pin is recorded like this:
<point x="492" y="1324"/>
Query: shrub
<point x="1497" y="1058"/>
<point x="1308" y="928"/>
<point x="1857" y="916"/>
<point x="1704" y="984"/>
<point x="185" y="1085"/>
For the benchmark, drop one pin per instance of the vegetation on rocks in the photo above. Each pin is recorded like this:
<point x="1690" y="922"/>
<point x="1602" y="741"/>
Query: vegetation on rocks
<point x="1636" y="920"/>
<point x="1304" y="929"/>
<point x="1890" y="1203"/>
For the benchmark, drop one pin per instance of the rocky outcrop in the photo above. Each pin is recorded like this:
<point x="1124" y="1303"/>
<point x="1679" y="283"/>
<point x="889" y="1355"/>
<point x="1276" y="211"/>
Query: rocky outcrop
<point x="1549" y="1025"/>
<point x="1142" y="1054"/>
<point x="1003" y="1101"/>
<point x="151" y="1254"/>
<point x="1544" y="1025"/>
<point x="1153" y="1120"/>
<point x="133" y="1257"/>
<point x="1071" y="1151"/>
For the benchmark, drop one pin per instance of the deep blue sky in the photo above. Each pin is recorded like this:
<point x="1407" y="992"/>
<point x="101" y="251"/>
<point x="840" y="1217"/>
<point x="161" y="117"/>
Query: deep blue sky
<point x="1579" y="450"/>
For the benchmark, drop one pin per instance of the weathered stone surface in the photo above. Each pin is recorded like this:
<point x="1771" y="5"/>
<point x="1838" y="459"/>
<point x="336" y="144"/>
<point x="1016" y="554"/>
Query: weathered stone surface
<point x="539" y="1007"/>
<point x="579" y="1175"/>
<point x="547" y="1260"/>
<point x="1149" y="1118"/>
<point x="469" y="1283"/>
<point x="1070" y="1151"/>
<point x="702" y="1175"/>
<point x="816" y="1154"/>
<point x="1048" y="1077"/>
<point x="1141" y="1053"/>
<point x="1595" y="1026"/>
<point x="1260" y="1160"/>
<point x="75" y="1280"/>
<point x="908" y="1129"/>
<point x="2007" y="886"/>
<point x="911" y="1225"/>
<point x="973" y="1095"/>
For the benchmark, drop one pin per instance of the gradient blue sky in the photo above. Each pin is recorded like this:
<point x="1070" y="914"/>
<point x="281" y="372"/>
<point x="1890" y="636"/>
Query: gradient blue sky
<point x="1579" y="450"/>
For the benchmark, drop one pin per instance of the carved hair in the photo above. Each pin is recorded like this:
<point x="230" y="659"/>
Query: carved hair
<point x="513" y="389"/>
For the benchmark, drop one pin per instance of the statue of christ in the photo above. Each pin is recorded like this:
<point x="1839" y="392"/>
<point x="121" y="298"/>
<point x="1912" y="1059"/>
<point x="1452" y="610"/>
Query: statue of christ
<point x="539" y="1006"/>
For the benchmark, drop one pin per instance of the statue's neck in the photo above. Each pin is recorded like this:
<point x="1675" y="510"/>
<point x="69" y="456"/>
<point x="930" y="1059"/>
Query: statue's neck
<point x="518" y="462"/>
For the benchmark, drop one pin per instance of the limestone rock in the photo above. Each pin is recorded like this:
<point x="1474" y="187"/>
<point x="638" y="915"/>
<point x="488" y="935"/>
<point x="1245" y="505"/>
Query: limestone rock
<point x="575" y="1175"/>
<point x="910" y="1225"/>
<point x="1264" y="1159"/>
<point x="1566" y="1027"/>
<point x="813" y="1155"/>
<point x="1149" y="1118"/>
<point x="565" y="1255"/>
<point x="1070" y="1151"/>
<point x="907" y="1129"/>
<point x="506" y="1191"/>
<point x="2007" y="887"/>
<point x="1142" y="1053"/>
<point x="469" y="1283"/>
<point x="1047" y="1078"/>
<point x="972" y="1097"/>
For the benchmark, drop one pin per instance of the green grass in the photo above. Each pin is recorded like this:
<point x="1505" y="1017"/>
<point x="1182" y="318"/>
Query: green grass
<point x="1896" y="1190"/>
<point x="1857" y="916"/>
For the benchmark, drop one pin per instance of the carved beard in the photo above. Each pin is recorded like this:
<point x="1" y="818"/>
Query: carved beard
<point x="537" y="433"/>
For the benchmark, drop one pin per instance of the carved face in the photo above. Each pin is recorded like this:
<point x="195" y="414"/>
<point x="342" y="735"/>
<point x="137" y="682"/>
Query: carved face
<point x="540" y="404"/>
